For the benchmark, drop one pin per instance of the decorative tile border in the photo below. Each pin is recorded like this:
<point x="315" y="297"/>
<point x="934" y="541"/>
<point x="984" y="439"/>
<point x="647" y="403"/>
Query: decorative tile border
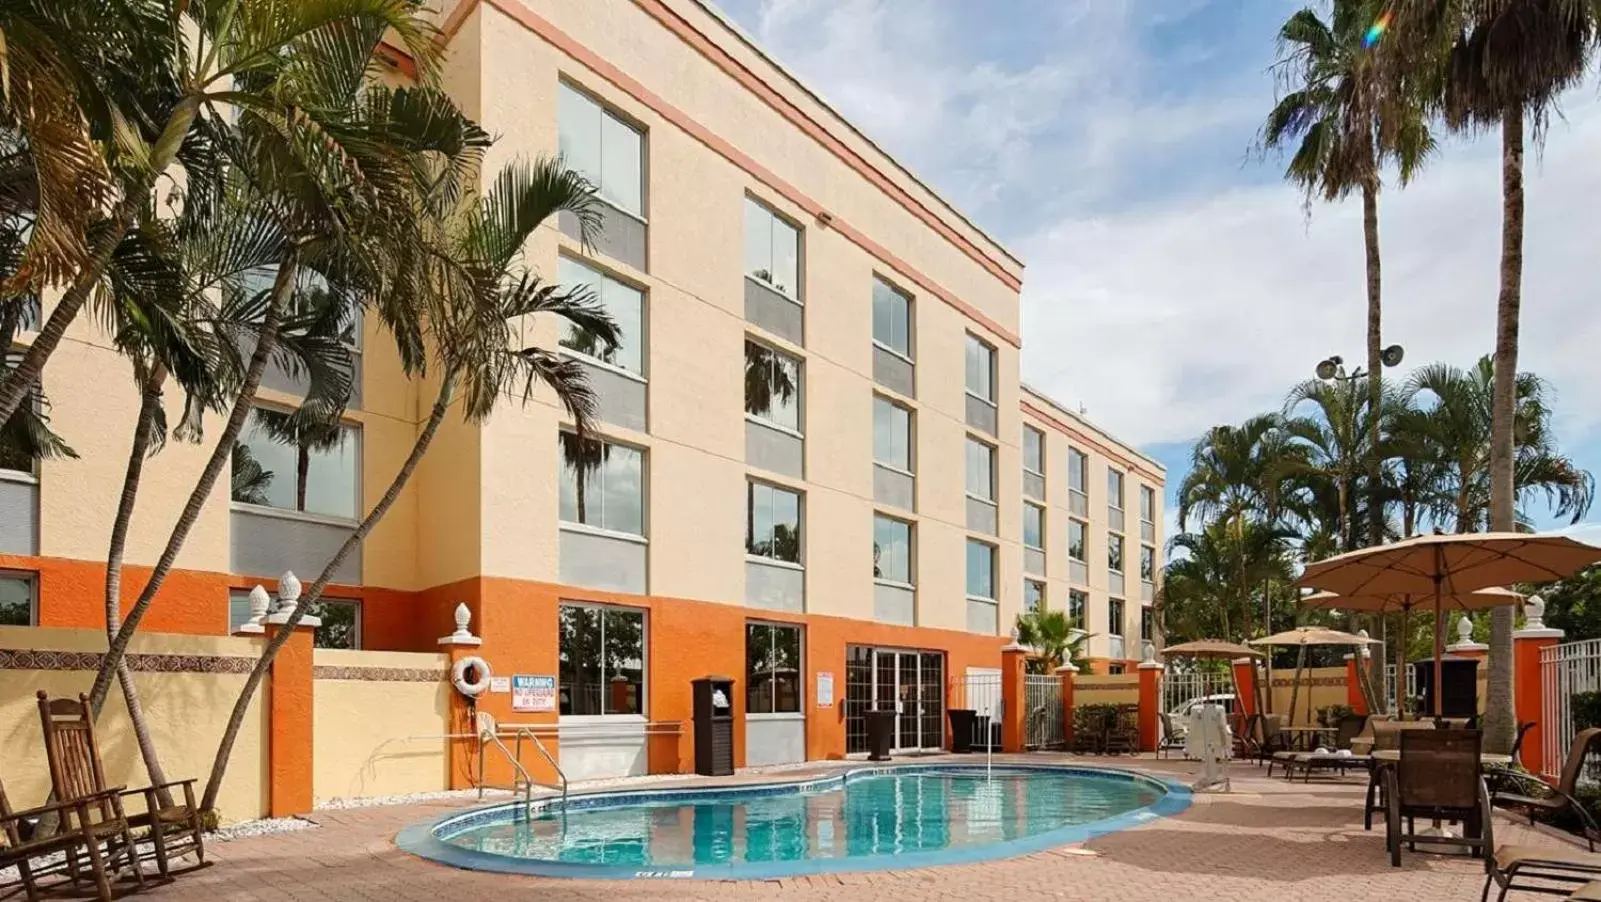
<point x="1287" y="682"/>
<point x="35" y="659"/>
<point x="380" y="674"/>
<point x="1105" y="687"/>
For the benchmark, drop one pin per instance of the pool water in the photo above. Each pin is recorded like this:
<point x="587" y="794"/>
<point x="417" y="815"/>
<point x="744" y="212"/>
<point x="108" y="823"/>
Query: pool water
<point x="934" y="814"/>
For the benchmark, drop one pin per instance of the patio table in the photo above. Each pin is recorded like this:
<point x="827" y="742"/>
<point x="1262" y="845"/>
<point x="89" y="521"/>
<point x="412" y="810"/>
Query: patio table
<point x="1486" y="759"/>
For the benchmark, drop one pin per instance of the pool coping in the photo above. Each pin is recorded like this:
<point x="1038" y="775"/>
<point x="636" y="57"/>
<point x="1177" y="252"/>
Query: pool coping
<point x="422" y="839"/>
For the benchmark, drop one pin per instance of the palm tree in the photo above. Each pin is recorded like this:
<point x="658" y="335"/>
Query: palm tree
<point x="1054" y="638"/>
<point x="1501" y="63"/>
<point x="1207" y="589"/>
<point x="483" y="291"/>
<point x="1332" y="451"/>
<point x="1346" y="116"/>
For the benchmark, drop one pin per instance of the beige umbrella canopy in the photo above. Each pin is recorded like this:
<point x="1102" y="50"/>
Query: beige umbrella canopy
<point x="1301" y="637"/>
<point x="1210" y="648"/>
<point x="1440" y="566"/>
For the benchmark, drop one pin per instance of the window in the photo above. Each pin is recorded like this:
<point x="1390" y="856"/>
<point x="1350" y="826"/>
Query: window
<point x="772" y="250"/>
<point x="772" y="386"/>
<point x="608" y="151"/>
<point x="772" y="523"/>
<point x="340" y="627"/>
<point x="980" y="470"/>
<point x="1114" y="553"/>
<point x="1077" y="602"/>
<point x="892" y="550"/>
<point x="772" y="668"/>
<point x="601" y="660"/>
<point x="892" y="318"/>
<point x="1033" y="450"/>
<point x="980" y="570"/>
<point x="1147" y="563"/>
<point x="1147" y="624"/>
<point x="1147" y="504"/>
<point x="16" y="598"/>
<point x="980" y="369"/>
<point x="1033" y="595"/>
<point x="892" y="434"/>
<point x="1114" y="616"/>
<point x="311" y="469"/>
<point x="1078" y="464"/>
<point x="611" y="494"/>
<point x="625" y="303"/>
<point x="1114" y="670"/>
<point x="1033" y="526"/>
<point x="1077" y="540"/>
<point x="1114" y="489"/>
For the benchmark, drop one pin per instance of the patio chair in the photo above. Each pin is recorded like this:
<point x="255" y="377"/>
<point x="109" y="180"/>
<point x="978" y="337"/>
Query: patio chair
<point x="1550" y="870"/>
<point x="89" y="830"/>
<point x="75" y="771"/>
<point x="1386" y="737"/>
<point x="1172" y="738"/>
<point x="1123" y="734"/>
<point x="1553" y="802"/>
<point x="1503" y="778"/>
<point x="1437" y="778"/>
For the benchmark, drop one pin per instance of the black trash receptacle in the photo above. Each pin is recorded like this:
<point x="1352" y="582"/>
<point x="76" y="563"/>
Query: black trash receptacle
<point x="962" y="729"/>
<point x="880" y="727"/>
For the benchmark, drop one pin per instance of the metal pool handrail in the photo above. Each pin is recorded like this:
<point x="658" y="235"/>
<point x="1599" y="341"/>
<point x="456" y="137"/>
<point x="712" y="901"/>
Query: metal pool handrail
<point x="488" y="736"/>
<point x="525" y="731"/>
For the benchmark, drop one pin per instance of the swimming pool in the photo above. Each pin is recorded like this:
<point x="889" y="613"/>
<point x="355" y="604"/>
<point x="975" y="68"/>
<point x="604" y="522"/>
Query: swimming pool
<point x="861" y="819"/>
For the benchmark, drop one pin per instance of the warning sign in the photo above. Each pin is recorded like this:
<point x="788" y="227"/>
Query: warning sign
<point x="533" y="693"/>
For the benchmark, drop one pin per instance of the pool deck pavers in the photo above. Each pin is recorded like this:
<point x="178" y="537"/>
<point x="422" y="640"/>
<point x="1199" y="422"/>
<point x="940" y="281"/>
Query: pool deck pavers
<point x="1267" y="840"/>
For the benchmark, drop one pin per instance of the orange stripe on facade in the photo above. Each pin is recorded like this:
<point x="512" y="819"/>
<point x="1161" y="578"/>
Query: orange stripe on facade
<point x="1080" y="436"/>
<point x="637" y="90"/>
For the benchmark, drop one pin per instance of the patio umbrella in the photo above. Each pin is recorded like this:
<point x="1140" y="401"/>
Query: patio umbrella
<point x="1385" y="603"/>
<point x="1301" y="637"/>
<point x="1215" y="649"/>
<point x="1437" y="566"/>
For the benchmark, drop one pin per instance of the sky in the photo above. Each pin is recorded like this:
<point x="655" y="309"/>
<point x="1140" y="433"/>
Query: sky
<point x="1174" y="281"/>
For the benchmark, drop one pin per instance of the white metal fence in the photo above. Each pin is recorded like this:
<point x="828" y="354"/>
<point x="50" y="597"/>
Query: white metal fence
<point x="980" y="690"/>
<point x="1179" y="689"/>
<point x="1389" y="686"/>
<point x="1564" y="669"/>
<point x="1042" y="727"/>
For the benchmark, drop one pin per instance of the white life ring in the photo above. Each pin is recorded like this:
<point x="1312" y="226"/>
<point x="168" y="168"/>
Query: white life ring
<point x="458" y="676"/>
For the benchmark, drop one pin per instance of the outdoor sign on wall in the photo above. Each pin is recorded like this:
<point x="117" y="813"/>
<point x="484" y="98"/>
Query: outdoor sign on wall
<point x="533" y="693"/>
<point x="499" y="685"/>
<point x="825" y="690"/>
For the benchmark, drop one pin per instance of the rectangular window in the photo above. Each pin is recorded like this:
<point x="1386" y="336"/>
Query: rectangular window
<point x="16" y="598"/>
<point x="1114" y="553"/>
<point x="1033" y="450"/>
<point x="980" y="570"/>
<point x="340" y="627"/>
<point x="601" y="660"/>
<point x="892" y="550"/>
<point x="772" y="386"/>
<point x="611" y="494"/>
<point x="980" y="369"/>
<point x="1147" y="563"/>
<point x="772" y="250"/>
<point x="1077" y="540"/>
<point x="892" y="318"/>
<point x="892" y="434"/>
<point x="1033" y="526"/>
<point x="1114" y="488"/>
<point x="605" y="149"/>
<point x="624" y="302"/>
<point x="13" y="458"/>
<point x="772" y="523"/>
<point x="1077" y="603"/>
<point x="1147" y="624"/>
<point x="1114" y="670"/>
<point x="980" y="470"/>
<point x="1033" y="595"/>
<point x="1078" y="465"/>
<point x="1114" y="616"/>
<point x="311" y="469"/>
<point x="773" y="667"/>
<point x="1147" y="504"/>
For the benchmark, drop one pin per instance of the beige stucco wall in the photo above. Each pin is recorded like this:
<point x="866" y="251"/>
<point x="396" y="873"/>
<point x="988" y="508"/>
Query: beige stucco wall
<point x="379" y="737"/>
<point x="1104" y="689"/>
<point x="1325" y="686"/>
<point x="186" y="712"/>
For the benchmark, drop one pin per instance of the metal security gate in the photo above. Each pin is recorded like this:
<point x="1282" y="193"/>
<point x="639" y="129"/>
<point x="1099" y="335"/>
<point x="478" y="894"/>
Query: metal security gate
<point x="1042" y="719"/>
<point x="1180" y="689"/>
<point x="979" y="690"/>
<point x="1564" y="669"/>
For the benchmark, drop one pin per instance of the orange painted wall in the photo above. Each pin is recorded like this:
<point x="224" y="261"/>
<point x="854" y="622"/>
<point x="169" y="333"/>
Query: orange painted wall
<point x="290" y="740"/>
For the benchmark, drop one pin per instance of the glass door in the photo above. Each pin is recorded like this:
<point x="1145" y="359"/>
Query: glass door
<point x="909" y="705"/>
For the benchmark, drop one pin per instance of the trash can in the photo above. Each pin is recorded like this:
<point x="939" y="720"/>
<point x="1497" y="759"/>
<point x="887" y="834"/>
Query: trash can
<point x="714" y="725"/>
<point x="880" y="727"/>
<point x="962" y="721"/>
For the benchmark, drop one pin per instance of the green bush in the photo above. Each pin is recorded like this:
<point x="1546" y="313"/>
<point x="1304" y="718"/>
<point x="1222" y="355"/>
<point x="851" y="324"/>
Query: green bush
<point x="1586" y="709"/>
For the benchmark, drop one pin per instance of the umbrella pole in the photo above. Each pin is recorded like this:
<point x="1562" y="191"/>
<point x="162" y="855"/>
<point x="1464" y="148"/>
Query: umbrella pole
<point x="1400" y="659"/>
<point x="1439" y="647"/>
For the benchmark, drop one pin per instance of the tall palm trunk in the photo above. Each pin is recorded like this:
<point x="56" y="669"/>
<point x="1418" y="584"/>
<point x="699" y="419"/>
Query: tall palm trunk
<point x="1499" y="716"/>
<point x="221" y="456"/>
<point x="144" y="429"/>
<point x="1370" y="238"/>
<point x="219" y="766"/>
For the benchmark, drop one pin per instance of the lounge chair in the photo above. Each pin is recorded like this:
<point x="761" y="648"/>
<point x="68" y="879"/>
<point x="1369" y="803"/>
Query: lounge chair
<point x="76" y="772"/>
<point x="89" y="830"/>
<point x="1349" y="727"/>
<point x="1550" y="870"/>
<point x="1437" y="778"/>
<point x="1553" y="802"/>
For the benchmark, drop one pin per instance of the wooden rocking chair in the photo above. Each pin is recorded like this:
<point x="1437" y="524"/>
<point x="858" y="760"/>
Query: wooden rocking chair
<point x="75" y="772"/>
<point x="84" y="825"/>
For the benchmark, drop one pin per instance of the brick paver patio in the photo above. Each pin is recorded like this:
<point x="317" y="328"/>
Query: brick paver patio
<point x="1267" y="841"/>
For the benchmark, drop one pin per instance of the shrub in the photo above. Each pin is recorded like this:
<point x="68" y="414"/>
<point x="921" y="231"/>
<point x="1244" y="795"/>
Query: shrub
<point x="1586" y="710"/>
